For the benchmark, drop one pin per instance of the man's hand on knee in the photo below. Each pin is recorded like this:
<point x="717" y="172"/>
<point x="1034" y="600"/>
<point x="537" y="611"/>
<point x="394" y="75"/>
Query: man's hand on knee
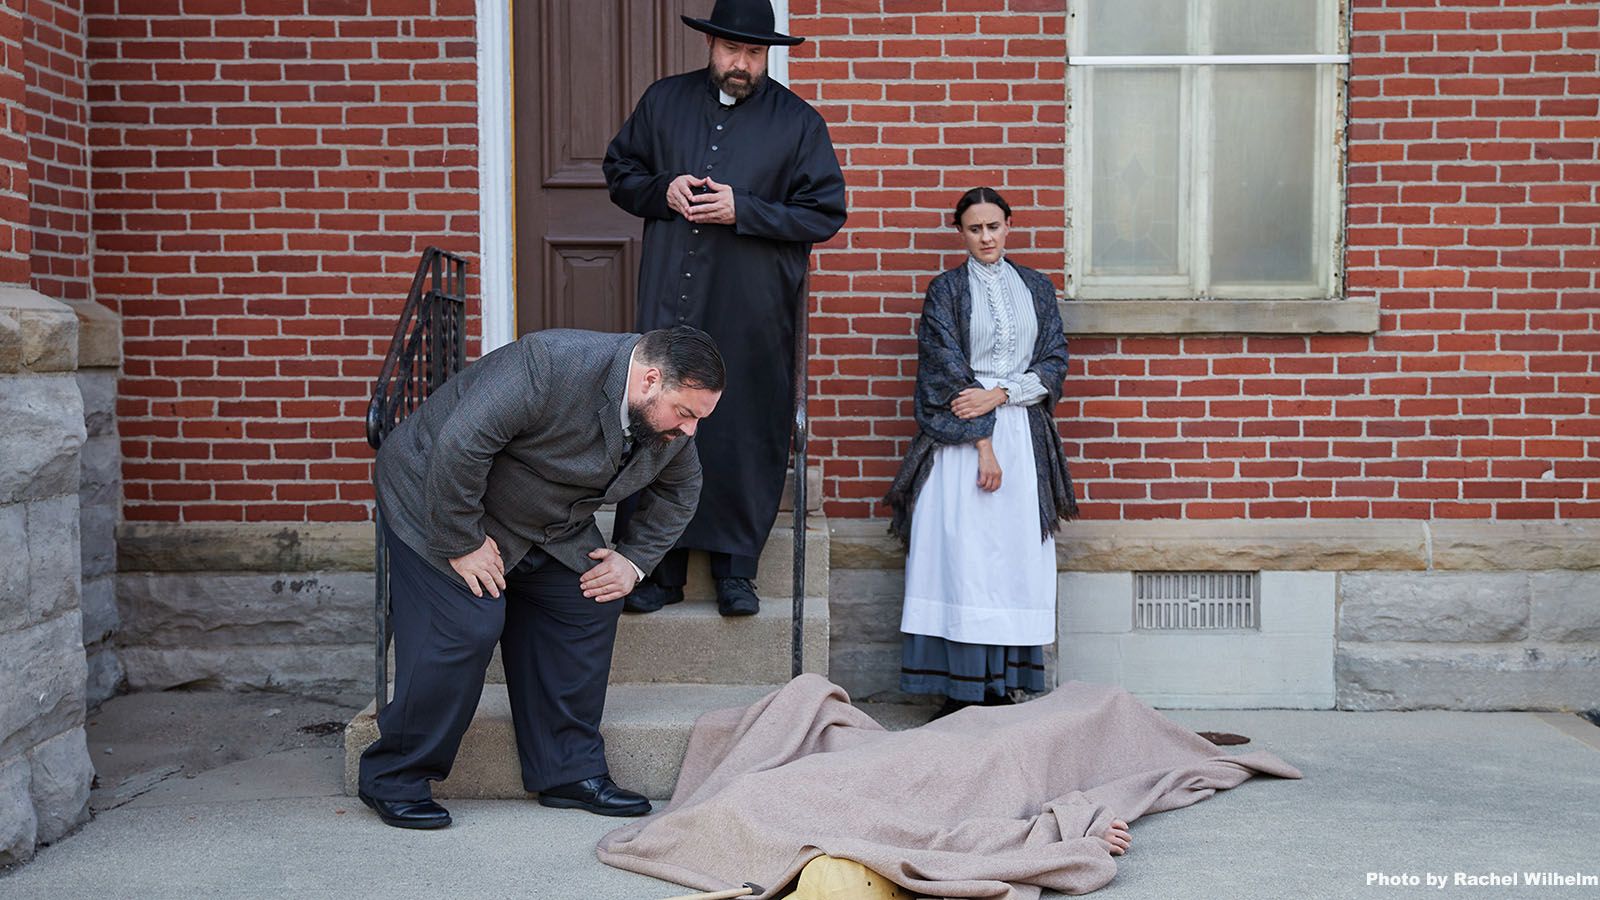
<point x="611" y="579"/>
<point x="482" y="568"/>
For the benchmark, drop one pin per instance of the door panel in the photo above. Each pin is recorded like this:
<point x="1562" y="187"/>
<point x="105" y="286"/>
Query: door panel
<point x="579" y="68"/>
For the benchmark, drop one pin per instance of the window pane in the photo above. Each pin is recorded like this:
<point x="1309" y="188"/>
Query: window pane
<point x="1264" y="175"/>
<point x="1133" y="27"/>
<point x="1135" y="153"/>
<point x="1266" y="26"/>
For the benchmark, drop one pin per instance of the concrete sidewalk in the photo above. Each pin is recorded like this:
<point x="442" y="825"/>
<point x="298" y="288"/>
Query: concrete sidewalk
<point x="1392" y="793"/>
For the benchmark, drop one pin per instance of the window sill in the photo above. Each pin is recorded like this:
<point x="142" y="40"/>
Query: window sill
<point x="1126" y="317"/>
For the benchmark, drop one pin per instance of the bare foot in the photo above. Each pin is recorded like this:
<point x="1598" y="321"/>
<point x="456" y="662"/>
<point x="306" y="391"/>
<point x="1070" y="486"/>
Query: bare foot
<point x="1118" y="837"/>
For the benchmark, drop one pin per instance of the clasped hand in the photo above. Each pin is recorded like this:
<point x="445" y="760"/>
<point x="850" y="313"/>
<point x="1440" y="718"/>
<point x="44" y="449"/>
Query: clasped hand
<point x="714" y="207"/>
<point x="482" y="569"/>
<point x="974" y="402"/>
<point x="611" y="579"/>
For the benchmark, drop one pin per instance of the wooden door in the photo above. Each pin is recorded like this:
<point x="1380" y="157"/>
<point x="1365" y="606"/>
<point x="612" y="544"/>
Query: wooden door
<point x="579" y="66"/>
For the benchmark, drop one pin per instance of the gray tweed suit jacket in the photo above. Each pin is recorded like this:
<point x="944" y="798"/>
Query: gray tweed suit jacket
<point x="524" y="445"/>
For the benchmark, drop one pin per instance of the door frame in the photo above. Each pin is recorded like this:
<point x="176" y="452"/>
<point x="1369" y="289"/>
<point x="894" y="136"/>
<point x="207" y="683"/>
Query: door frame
<point x="497" y="232"/>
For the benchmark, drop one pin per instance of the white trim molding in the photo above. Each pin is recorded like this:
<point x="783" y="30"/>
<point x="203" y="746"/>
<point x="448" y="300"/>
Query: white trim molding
<point x="1224" y="59"/>
<point x="497" y="246"/>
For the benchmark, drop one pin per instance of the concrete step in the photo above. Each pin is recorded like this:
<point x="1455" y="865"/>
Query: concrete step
<point x="813" y="490"/>
<point x="691" y="643"/>
<point x="646" y="728"/>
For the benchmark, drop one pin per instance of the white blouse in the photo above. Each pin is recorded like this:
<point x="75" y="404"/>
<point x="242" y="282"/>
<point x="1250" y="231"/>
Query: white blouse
<point x="1003" y="330"/>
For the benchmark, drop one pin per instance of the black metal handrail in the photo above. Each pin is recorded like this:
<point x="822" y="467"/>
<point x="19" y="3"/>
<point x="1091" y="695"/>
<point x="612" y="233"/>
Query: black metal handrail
<point x="802" y="356"/>
<point x="429" y="347"/>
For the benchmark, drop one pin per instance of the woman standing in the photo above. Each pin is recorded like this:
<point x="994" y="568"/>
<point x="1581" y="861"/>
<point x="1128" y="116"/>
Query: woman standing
<point x="986" y="474"/>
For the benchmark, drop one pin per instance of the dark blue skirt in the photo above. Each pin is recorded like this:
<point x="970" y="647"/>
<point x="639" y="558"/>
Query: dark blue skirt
<point x="933" y="665"/>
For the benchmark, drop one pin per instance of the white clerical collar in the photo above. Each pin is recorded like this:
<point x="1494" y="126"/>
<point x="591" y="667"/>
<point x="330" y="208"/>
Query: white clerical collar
<point x="725" y="98"/>
<point x="623" y="410"/>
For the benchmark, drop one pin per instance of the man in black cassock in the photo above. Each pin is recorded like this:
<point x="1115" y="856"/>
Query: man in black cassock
<point x="735" y="178"/>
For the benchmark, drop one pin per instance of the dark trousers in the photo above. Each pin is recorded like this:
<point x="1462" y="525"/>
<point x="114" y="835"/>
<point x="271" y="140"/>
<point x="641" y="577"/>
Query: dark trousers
<point x="556" y="646"/>
<point x="673" y="570"/>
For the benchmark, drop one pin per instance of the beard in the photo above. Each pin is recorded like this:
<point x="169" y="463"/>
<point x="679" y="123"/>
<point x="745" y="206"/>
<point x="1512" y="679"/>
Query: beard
<point x="736" y="83"/>
<point x="646" y="435"/>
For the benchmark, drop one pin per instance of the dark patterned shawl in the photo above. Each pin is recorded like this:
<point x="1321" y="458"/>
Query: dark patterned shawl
<point x="944" y="370"/>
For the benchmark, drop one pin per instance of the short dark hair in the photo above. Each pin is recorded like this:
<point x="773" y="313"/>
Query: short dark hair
<point x="686" y="356"/>
<point x="979" y="195"/>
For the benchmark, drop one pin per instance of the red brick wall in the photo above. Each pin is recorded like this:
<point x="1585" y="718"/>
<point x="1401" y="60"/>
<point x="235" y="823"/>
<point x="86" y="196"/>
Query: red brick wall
<point x="265" y="172"/>
<point x="14" y="238"/>
<point x="58" y="157"/>
<point x="924" y="99"/>
<point x="1473" y="190"/>
<point x="265" y="176"/>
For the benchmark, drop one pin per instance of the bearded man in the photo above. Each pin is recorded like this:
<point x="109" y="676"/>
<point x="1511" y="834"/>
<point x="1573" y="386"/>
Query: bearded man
<point x="735" y="178"/>
<point x="488" y="493"/>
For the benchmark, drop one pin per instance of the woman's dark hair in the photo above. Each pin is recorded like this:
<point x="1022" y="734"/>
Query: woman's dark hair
<point x="687" y="357"/>
<point x="979" y="195"/>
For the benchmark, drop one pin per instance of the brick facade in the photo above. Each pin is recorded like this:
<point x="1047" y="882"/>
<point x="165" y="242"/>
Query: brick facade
<point x="266" y="171"/>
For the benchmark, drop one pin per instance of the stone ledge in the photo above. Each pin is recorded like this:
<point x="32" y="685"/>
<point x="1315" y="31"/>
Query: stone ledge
<point x="37" y="334"/>
<point x="1125" y="317"/>
<point x="244" y="547"/>
<point x="99" y="335"/>
<point x="1295" y="545"/>
<point x="1516" y="545"/>
<point x="1175" y="544"/>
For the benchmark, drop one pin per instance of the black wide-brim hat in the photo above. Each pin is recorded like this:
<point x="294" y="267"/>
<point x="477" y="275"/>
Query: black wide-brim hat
<point x="745" y="21"/>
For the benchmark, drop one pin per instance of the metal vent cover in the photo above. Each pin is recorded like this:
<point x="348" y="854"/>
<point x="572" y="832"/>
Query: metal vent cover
<point x="1196" y="601"/>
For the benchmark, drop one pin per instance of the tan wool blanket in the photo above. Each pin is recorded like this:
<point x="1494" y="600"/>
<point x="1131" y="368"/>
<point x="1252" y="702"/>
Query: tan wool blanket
<point x="994" y="802"/>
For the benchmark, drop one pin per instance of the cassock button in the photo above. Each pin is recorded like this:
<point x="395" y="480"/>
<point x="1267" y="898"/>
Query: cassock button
<point x="680" y="318"/>
<point x="708" y="167"/>
<point x="713" y="146"/>
<point x="688" y="275"/>
<point x="696" y="230"/>
<point x="719" y="127"/>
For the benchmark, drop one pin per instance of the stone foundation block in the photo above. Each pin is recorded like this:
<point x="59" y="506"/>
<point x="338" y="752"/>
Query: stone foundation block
<point x="1470" y="677"/>
<point x="62" y="773"/>
<point x="42" y="693"/>
<point x="106" y="676"/>
<point x="202" y="610"/>
<point x="18" y="824"/>
<point x="1565" y="606"/>
<point x="43" y="416"/>
<point x="314" y="670"/>
<point x="1433" y="606"/>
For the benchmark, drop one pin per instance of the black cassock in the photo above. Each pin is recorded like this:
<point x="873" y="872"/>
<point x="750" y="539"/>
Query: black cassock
<point x="741" y="282"/>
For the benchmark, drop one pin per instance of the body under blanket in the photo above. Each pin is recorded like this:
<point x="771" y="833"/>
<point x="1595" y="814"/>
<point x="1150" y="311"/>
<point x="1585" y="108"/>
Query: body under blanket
<point x="997" y="802"/>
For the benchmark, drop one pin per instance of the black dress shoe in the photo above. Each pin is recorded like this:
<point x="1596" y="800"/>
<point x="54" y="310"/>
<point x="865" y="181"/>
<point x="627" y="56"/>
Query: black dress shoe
<point x="408" y="813"/>
<point x="599" y="795"/>
<point x="647" y="597"/>
<point x="737" y="597"/>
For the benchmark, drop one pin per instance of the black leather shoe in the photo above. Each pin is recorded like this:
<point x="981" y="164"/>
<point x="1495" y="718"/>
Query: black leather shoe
<point x="737" y="597"/>
<point x="647" y="597"/>
<point x="599" y="795"/>
<point x="408" y="813"/>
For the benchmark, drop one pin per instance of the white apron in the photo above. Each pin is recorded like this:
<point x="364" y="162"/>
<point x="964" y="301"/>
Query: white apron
<point x="976" y="571"/>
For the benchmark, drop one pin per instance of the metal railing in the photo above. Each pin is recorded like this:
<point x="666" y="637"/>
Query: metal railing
<point x="429" y="347"/>
<point x="802" y="355"/>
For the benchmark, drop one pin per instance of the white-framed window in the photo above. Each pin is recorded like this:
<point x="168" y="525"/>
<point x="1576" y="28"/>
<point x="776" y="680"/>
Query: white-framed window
<point x="1204" y="154"/>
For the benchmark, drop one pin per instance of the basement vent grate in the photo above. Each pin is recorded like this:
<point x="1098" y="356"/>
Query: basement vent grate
<point x="1196" y="601"/>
